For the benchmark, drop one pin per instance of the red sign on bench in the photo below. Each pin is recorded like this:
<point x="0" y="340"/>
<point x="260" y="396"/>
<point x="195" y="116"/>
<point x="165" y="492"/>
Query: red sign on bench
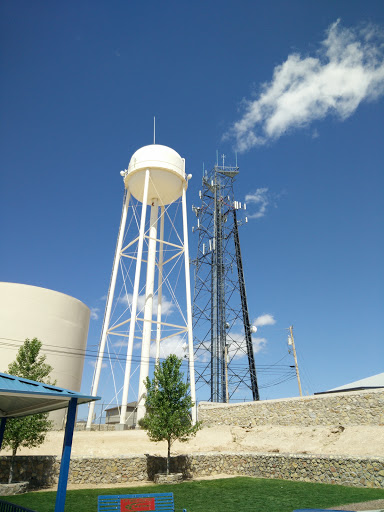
<point x="137" y="504"/>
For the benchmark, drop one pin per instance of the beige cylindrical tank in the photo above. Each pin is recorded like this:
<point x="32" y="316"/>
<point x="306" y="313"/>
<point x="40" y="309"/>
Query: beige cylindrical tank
<point x="59" y="321"/>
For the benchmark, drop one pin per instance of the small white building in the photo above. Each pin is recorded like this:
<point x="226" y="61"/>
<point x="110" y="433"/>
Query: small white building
<point x="112" y="415"/>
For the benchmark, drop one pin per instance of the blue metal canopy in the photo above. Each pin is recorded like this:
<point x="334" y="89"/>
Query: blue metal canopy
<point x="22" y="397"/>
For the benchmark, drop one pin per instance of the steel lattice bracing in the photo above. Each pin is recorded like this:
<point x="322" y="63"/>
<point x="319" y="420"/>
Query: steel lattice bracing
<point x="225" y="365"/>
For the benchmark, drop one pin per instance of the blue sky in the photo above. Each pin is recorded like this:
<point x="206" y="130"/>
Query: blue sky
<point x="297" y="92"/>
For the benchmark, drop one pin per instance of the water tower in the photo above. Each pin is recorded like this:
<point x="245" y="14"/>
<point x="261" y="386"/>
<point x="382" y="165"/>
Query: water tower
<point x="148" y="313"/>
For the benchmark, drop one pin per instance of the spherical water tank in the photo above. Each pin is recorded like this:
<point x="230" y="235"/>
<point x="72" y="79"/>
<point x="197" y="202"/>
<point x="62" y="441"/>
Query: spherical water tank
<point x="59" y="321"/>
<point x="167" y="174"/>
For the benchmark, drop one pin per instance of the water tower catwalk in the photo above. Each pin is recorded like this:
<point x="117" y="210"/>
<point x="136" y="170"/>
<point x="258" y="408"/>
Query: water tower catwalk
<point x="148" y="312"/>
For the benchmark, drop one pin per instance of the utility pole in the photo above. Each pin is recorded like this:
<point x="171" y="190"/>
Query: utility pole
<point x="291" y="342"/>
<point x="226" y="373"/>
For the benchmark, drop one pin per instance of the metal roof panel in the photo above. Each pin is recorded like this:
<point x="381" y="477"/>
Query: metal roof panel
<point x="20" y="397"/>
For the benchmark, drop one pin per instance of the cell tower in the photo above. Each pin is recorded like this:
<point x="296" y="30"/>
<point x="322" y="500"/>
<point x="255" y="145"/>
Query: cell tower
<point x="224" y="356"/>
<point x="147" y="317"/>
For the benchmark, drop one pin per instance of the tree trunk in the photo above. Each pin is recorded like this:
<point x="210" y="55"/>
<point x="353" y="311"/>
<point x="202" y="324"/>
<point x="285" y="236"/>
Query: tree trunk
<point x="11" y="466"/>
<point x="169" y="456"/>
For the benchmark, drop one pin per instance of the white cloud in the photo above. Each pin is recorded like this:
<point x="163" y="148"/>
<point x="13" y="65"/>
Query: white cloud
<point x="237" y="347"/>
<point x="167" y="306"/>
<point x="236" y="342"/>
<point x="95" y="313"/>
<point x="175" y="345"/>
<point x="122" y="342"/>
<point x="259" y="199"/>
<point x="93" y="363"/>
<point x="258" y="344"/>
<point x="347" y="70"/>
<point x="265" y="319"/>
<point x="203" y="355"/>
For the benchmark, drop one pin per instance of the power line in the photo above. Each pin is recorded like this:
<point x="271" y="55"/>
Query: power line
<point x="92" y="354"/>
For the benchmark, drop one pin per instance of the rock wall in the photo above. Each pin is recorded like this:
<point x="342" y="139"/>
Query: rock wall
<point x="347" y="409"/>
<point x="39" y="471"/>
<point x="352" y="471"/>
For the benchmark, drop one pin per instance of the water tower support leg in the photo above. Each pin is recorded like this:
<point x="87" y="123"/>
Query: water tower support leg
<point x="108" y="308"/>
<point x="134" y="301"/>
<point x="189" y="308"/>
<point x="148" y="308"/>
<point x="160" y="287"/>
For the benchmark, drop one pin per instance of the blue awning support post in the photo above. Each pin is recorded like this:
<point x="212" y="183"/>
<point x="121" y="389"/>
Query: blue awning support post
<point x="2" y="428"/>
<point x="66" y="456"/>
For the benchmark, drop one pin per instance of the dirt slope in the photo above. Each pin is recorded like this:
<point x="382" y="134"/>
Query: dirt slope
<point x="363" y="441"/>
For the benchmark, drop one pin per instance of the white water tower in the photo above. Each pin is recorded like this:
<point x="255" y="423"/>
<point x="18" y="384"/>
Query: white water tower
<point x="152" y="318"/>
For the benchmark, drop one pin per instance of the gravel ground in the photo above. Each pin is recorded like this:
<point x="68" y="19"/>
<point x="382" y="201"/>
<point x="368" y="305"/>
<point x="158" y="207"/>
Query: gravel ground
<point x="367" y="506"/>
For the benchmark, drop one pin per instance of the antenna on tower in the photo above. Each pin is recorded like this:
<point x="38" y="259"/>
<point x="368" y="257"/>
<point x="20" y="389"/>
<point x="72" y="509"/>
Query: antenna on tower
<point x="154" y="129"/>
<point x="236" y="158"/>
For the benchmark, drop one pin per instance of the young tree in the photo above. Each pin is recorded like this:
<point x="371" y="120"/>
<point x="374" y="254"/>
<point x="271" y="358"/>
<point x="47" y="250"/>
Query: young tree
<point x="168" y="405"/>
<point x="29" y="431"/>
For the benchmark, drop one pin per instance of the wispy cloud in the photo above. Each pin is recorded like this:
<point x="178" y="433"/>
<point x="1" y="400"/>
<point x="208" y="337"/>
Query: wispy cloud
<point x="258" y="344"/>
<point x="347" y="70"/>
<point x="166" y="305"/>
<point x="258" y="202"/>
<point x="122" y="342"/>
<point x="95" y="313"/>
<point x="175" y="345"/>
<point x="237" y="346"/>
<point x="236" y="342"/>
<point x="93" y="363"/>
<point x="263" y="320"/>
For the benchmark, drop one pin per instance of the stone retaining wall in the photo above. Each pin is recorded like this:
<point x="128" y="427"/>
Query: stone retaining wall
<point x="39" y="471"/>
<point x="103" y="427"/>
<point x="347" y="409"/>
<point x="352" y="471"/>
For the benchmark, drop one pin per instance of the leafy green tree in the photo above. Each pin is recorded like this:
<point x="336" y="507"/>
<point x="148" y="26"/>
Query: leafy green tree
<point x="29" y="431"/>
<point x="168" y="405"/>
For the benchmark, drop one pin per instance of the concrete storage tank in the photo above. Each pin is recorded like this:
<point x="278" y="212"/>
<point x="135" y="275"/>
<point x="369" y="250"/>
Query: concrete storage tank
<point x="59" y="321"/>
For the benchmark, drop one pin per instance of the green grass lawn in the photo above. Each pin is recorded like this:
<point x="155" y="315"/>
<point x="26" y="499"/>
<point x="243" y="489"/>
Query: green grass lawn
<point x="224" y="495"/>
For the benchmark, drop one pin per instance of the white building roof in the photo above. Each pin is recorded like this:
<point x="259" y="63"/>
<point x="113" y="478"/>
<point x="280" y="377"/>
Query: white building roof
<point x="376" y="381"/>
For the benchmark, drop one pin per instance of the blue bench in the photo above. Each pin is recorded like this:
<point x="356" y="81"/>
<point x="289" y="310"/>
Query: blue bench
<point x="6" y="506"/>
<point x="160" y="502"/>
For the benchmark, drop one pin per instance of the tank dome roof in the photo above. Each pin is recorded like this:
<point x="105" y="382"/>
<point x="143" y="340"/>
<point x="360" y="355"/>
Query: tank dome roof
<point x="167" y="173"/>
<point x="160" y="157"/>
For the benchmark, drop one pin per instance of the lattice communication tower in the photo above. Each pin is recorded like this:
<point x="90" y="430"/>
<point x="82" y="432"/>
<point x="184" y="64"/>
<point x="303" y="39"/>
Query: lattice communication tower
<point x="224" y="355"/>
